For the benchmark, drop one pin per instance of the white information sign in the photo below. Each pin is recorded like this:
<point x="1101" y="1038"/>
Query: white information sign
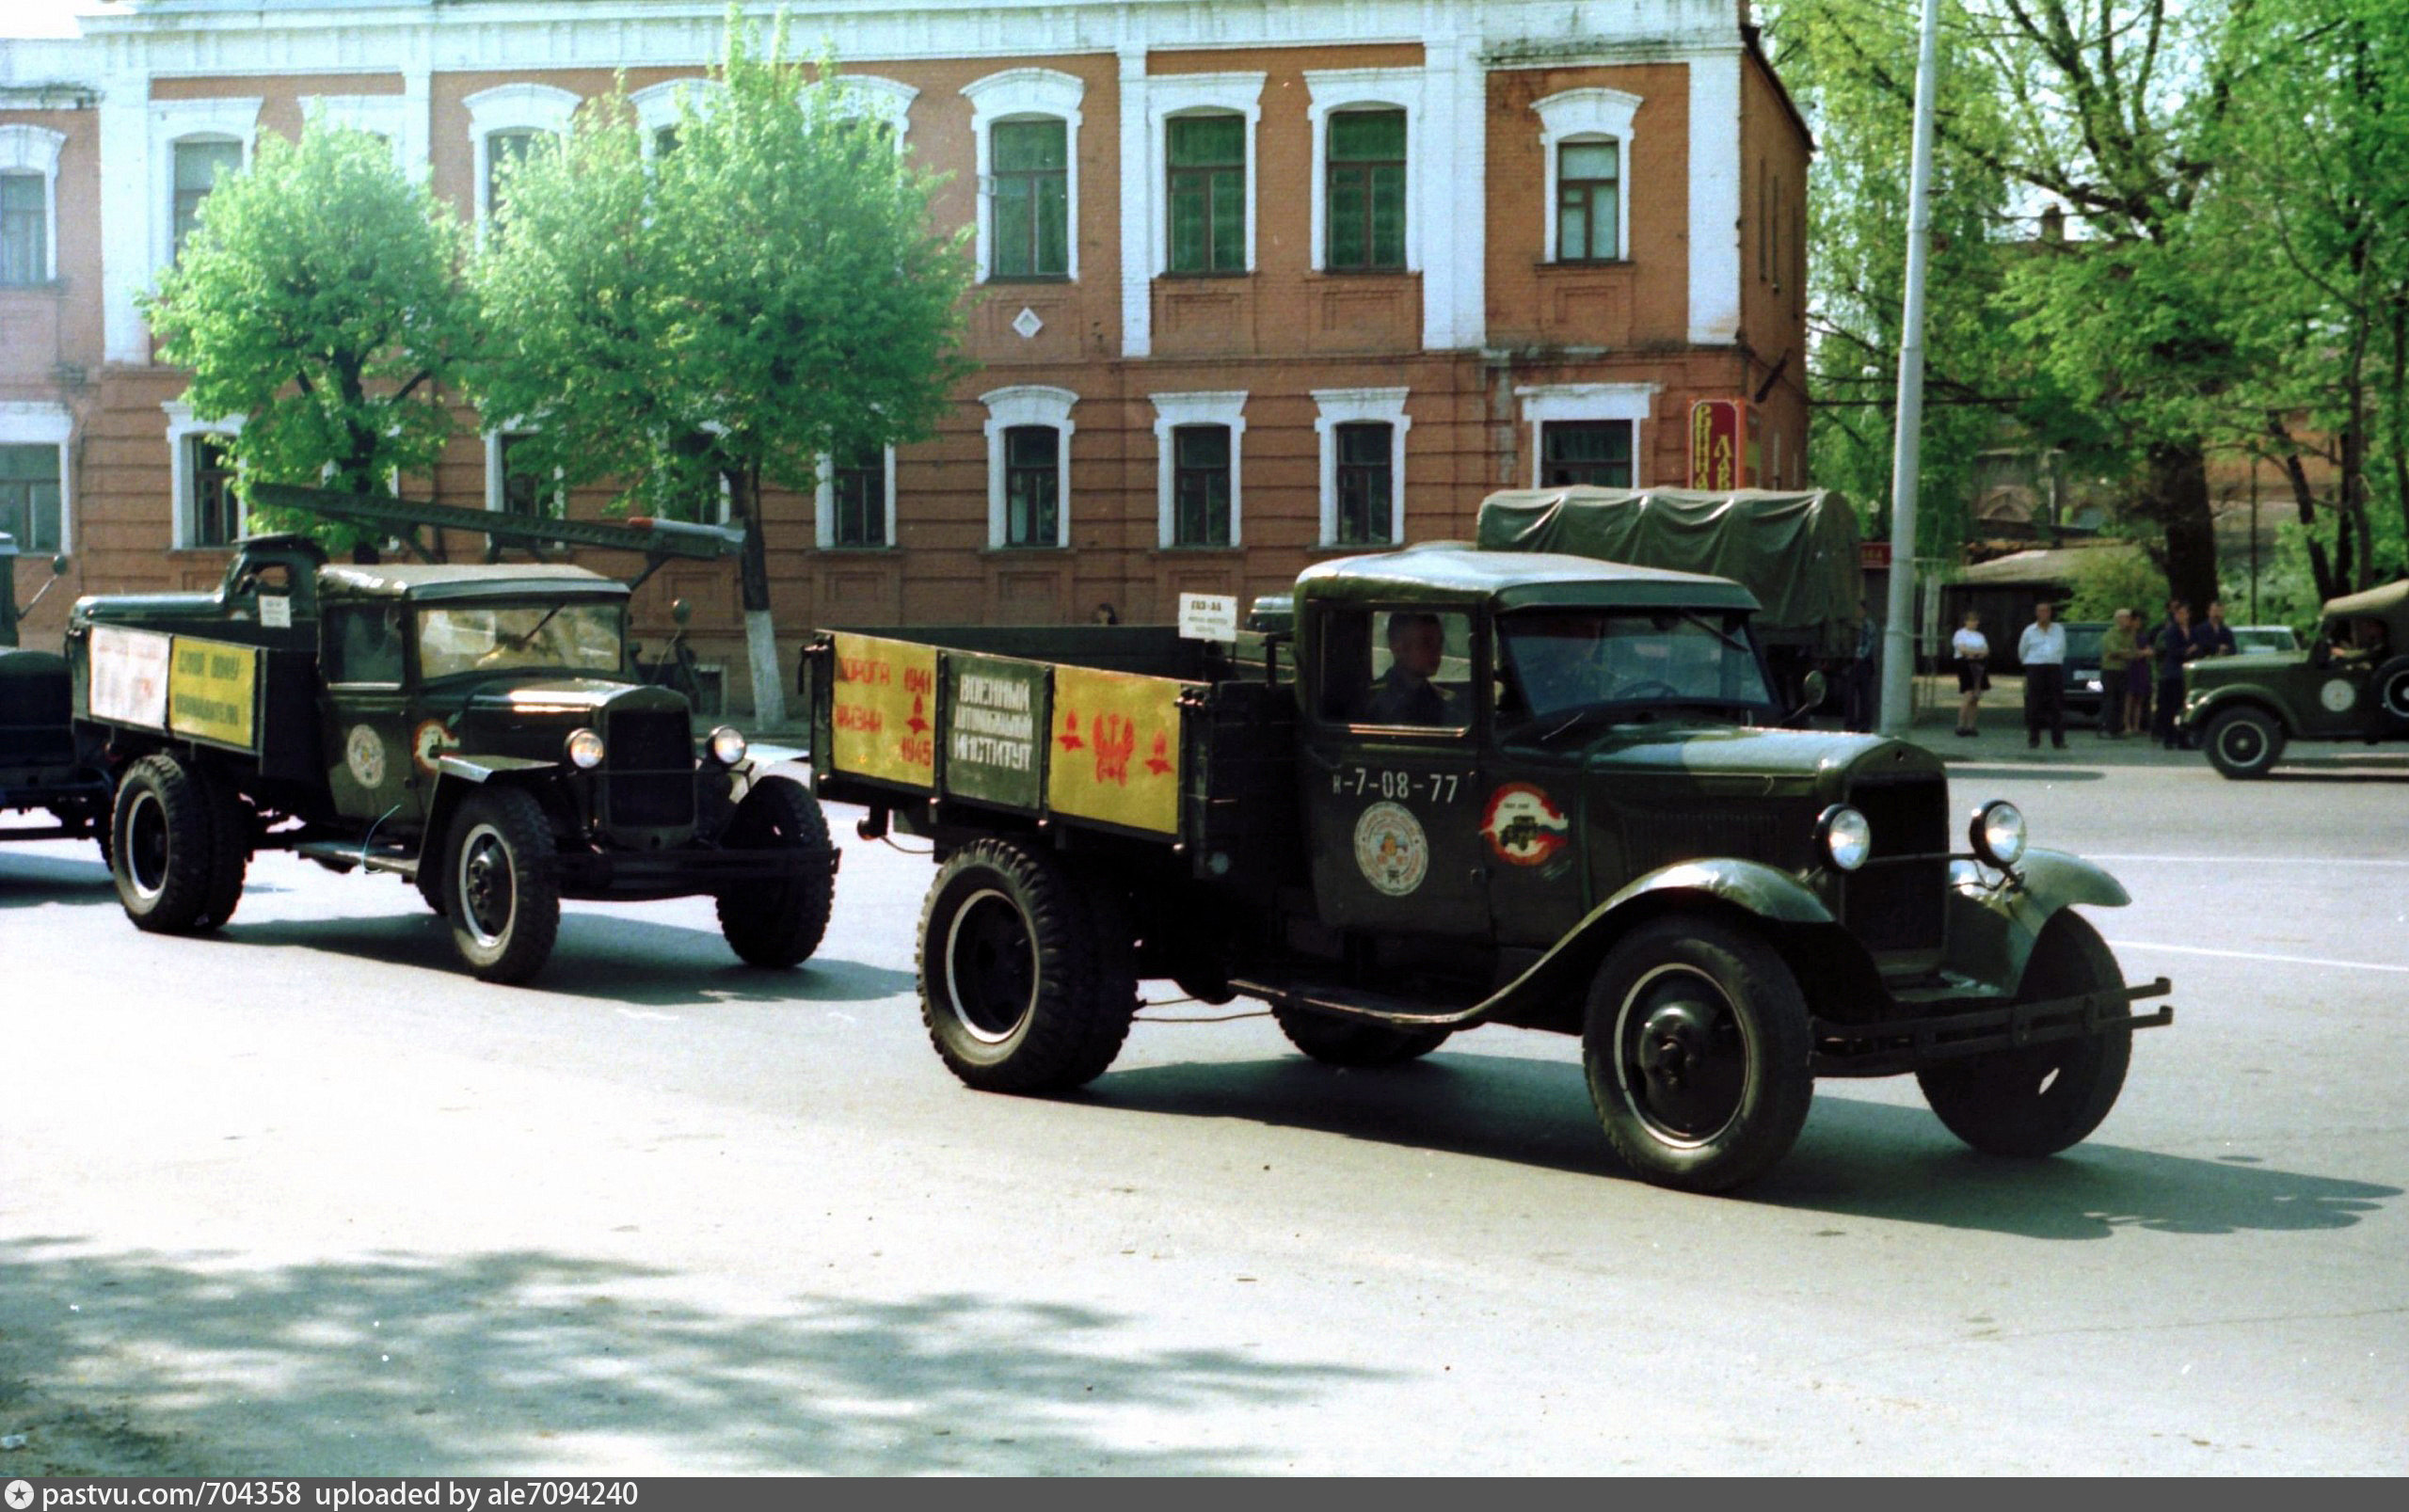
<point x="276" y="612"/>
<point x="1208" y="617"/>
<point x="129" y="680"/>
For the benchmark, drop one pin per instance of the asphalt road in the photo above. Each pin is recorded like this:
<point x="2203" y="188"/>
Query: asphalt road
<point x="302" y="1197"/>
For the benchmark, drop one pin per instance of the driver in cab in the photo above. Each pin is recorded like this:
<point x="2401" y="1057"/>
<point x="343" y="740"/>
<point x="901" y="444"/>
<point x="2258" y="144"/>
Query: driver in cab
<point x="1405" y="694"/>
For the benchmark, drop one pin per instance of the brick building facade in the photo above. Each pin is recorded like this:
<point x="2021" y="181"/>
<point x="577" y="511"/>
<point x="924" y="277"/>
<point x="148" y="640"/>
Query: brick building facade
<point x="1258" y="283"/>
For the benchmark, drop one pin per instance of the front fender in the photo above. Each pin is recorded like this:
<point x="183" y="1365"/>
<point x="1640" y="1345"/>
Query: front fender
<point x="1764" y="891"/>
<point x="1992" y="928"/>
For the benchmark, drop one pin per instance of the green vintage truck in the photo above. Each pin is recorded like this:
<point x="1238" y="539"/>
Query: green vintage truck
<point x="477" y="730"/>
<point x="2353" y="684"/>
<point x="1475" y="787"/>
<point x="40" y="770"/>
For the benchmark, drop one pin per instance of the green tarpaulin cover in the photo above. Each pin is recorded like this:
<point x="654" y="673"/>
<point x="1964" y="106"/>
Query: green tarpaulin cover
<point x="1797" y="552"/>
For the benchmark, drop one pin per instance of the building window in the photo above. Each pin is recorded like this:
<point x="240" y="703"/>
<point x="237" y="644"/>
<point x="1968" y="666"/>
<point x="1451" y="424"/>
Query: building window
<point x="198" y="167"/>
<point x="1367" y="191"/>
<point x="525" y="491"/>
<point x="1589" y="185"/>
<point x="1031" y="204"/>
<point x="506" y="121"/>
<point x="217" y="513"/>
<point x="24" y="229"/>
<point x="1201" y="486"/>
<point x="29" y="497"/>
<point x="1366" y="483"/>
<point x="1592" y="452"/>
<point x="1208" y="193"/>
<point x="857" y="494"/>
<point x="504" y="147"/>
<point x="1032" y="484"/>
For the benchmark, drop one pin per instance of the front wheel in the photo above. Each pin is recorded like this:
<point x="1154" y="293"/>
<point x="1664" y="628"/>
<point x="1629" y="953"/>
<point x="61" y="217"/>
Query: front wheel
<point x="505" y="901"/>
<point x="1697" y="1049"/>
<point x="1027" y="975"/>
<point x="2039" y="1100"/>
<point x="2244" y="744"/>
<point x="1337" y="1041"/>
<point x="780" y="925"/>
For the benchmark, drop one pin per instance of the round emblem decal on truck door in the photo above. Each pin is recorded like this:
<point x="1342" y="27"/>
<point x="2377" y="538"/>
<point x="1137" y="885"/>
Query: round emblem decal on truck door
<point x="2337" y="695"/>
<point x="1523" y="825"/>
<point x="1391" y="850"/>
<point x="363" y="751"/>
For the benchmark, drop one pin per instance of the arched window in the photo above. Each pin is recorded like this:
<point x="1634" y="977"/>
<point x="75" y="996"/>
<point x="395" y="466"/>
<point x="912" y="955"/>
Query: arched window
<point x="1026" y="126"/>
<point x="1586" y="134"/>
<point x="505" y="122"/>
<point x="1029" y="466"/>
<point x="30" y="204"/>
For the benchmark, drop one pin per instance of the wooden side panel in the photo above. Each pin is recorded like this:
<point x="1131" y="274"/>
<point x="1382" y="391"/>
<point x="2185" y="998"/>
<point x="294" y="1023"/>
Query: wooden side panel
<point x="1116" y="749"/>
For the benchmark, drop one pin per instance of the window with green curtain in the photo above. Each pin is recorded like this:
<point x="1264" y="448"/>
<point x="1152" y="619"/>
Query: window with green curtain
<point x="1032" y="485"/>
<point x="29" y="495"/>
<point x="857" y="493"/>
<point x="217" y="513"/>
<point x="1201" y="486"/>
<point x="1029" y="164"/>
<point x="1208" y="193"/>
<point x="1595" y="452"/>
<point x="1588" y="188"/>
<point x="197" y="168"/>
<point x="1364" y="205"/>
<point x="24" y="229"/>
<point x="1366" y="483"/>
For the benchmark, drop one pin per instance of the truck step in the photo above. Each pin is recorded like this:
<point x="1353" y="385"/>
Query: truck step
<point x="341" y="855"/>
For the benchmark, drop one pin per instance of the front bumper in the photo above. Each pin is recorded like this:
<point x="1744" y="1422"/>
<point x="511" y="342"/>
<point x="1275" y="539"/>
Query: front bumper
<point x="1953" y="1028"/>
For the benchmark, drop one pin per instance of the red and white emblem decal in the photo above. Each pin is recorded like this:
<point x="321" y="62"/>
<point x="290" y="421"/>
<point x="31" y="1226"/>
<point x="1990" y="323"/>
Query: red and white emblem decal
<point x="1523" y="825"/>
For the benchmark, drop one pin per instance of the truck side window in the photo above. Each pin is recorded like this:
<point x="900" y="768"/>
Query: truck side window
<point x="363" y="644"/>
<point x="1403" y="668"/>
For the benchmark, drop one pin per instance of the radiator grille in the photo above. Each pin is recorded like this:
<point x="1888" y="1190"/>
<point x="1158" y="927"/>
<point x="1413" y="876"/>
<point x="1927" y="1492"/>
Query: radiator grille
<point x="650" y="764"/>
<point x="1894" y="904"/>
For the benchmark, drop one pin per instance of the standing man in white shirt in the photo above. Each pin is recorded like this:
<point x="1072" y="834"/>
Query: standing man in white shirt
<point x="2042" y="649"/>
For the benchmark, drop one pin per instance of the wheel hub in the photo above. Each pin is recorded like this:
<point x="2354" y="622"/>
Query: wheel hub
<point x="1671" y="1043"/>
<point x="1685" y="1056"/>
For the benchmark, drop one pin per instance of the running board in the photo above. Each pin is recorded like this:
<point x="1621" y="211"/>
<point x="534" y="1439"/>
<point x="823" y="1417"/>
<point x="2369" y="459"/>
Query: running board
<point x="341" y="855"/>
<point x="1341" y="1001"/>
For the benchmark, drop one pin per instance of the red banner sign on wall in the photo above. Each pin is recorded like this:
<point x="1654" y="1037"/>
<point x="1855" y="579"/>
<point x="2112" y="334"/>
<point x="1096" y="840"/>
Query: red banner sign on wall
<point x="1718" y="438"/>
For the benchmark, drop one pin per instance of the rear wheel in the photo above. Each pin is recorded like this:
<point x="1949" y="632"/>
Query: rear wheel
<point x="2392" y="695"/>
<point x="230" y="828"/>
<point x="2038" y="1100"/>
<point x="781" y="924"/>
<point x="1337" y="1041"/>
<point x="161" y="836"/>
<point x="1697" y="1051"/>
<point x="2244" y="743"/>
<point x="506" y="901"/>
<point x="1028" y="976"/>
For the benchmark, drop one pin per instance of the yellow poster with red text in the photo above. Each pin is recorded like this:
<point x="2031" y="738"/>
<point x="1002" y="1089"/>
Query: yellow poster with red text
<point x="1115" y="753"/>
<point x="882" y="711"/>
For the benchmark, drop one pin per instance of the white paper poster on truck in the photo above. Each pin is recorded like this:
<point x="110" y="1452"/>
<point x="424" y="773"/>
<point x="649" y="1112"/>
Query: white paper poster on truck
<point x="129" y="681"/>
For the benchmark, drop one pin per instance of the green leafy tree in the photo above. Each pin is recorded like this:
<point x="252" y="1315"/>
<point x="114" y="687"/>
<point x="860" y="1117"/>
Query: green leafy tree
<point x="768" y="292"/>
<point x="321" y="299"/>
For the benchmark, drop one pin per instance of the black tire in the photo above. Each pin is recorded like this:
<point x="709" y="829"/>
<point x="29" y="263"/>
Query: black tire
<point x="231" y="831"/>
<point x="1337" y="1041"/>
<point x="1697" y="1048"/>
<point x="429" y="881"/>
<point x="2391" y="687"/>
<point x="498" y="878"/>
<point x="2043" y="1098"/>
<point x="1027" y="975"/>
<point x="780" y="925"/>
<point x="2244" y="744"/>
<point x="161" y="836"/>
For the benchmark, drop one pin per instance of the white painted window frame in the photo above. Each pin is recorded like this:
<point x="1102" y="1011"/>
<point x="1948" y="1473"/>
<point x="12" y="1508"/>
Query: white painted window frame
<point x="386" y="115"/>
<point x="497" y="499"/>
<point x="1332" y="90"/>
<point x="36" y="423"/>
<point x="1029" y="403"/>
<point x="824" y="509"/>
<point x="1223" y="406"/>
<point x="1172" y="95"/>
<point x="1361" y="407"/>
<point x="521" y="106"/>
<point x="1580" y="116"/>
<point x="1546" y="402"/>
<point x="872" y="96"/>
<point x="35" y="150"/>
<point x="182" y="427"/>
<point x="1025" y="94"/>
<point x="656" y="105"/>
<point x="189" y="120"/>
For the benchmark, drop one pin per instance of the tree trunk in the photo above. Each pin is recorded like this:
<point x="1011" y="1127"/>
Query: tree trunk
<point x="2176" y="499"/>
<point x="761" y="635"/>
<point x="2400" y="410"/>
<point x="2320" y="568"/>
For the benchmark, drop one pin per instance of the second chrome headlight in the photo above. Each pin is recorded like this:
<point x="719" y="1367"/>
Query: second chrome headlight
<point x="1844" y="837"/>
<point x="584" y="750"/>
<point x="1998" y="833"/>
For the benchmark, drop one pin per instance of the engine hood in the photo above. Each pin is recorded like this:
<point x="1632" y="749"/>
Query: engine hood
<point x="1737" y="758"/>
<point x="568" y="697"/>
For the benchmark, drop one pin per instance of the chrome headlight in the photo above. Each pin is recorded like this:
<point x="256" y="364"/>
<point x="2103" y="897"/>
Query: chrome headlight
<point x="728" y="745"/>
<point x="1998" y="834"/>
<point x="584" y="750"/>
<point x="1844" y="837"/>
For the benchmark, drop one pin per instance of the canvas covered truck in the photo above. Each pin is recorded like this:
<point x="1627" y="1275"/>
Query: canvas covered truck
<point x="41" y="770"/>
<point x="1476" y="788"/>
<point x="476" y="730"/>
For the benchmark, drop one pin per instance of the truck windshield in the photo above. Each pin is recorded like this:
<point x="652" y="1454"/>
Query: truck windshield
<point x="1561" y="661"/>
<point x="559" y="637"/>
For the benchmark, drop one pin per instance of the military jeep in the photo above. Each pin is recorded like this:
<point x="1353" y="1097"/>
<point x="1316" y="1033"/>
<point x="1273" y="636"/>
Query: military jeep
<point x="475" y="730"/>
<point x="2353" y="684"/>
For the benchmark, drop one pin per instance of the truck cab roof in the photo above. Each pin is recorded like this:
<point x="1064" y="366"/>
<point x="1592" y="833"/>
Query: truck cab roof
<point x="1454" y="572"/>
<point x="424" y="582"/>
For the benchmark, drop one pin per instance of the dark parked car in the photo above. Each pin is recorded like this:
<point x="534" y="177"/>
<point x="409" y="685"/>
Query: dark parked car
<point x="2083" y="668"/>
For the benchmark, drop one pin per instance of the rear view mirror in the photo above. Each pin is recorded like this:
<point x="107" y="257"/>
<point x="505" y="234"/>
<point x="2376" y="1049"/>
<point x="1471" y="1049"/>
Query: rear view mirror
<point x="1814" y="689"/>
<point x="58" y="566"/>
<point x="680" y="611"/>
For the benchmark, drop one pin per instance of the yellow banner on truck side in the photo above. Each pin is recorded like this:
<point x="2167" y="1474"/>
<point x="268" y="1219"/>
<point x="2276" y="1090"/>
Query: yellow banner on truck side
<point x="882" y="711"/>
<point x="1116" y="749"/>
<point x="212" y="691"/>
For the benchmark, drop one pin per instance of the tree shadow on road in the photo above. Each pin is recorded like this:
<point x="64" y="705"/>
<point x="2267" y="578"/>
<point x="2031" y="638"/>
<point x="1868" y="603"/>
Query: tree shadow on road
<point x="523" y="1361"/>
<point x="607" y="956"/>
<point x="1861" y="1158"/>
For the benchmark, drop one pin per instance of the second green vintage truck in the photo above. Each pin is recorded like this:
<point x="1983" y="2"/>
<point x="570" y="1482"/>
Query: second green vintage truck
<point x="1476" y="788"/>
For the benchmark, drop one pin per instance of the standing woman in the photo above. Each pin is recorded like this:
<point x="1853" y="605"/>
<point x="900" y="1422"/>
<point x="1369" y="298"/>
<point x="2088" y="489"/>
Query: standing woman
<point x="1972" y="652"/>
